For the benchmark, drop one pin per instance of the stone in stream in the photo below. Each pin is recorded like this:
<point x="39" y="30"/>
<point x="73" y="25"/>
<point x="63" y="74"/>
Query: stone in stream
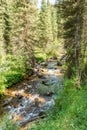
<point x="19" y="96"/>
<point x="44" y="81"/>
<point x="59" y="63"/>
<point x="30" y="117"/>
<point x="8" y="108"/>
<point x="28" y="88"/>
<point x="40" y="75"/>
<point x="44" y="64"/>
<point x="37" y="102"/>
<point x="7" y="102"/>
<point x="42" y="114"/>
<point x="48" y="104"/>
<point x="52" y="65"/>
<point x="49" y="93"/>
<point x="33" y="107"/>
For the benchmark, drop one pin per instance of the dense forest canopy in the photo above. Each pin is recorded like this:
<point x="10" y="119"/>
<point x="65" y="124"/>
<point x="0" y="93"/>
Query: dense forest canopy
<point x="35" y="31"/>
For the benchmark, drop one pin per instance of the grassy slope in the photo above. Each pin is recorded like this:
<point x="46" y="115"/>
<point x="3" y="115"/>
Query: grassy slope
<point x="10" y="72"/>
<point x="70" y="111"/>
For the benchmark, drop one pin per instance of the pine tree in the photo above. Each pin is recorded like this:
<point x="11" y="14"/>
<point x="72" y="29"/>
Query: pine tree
<point x="73" y="21"/>
<point x="6" y="28"/>
<point x="84" y="44"/>
<point x="2" y="57"/>
<point x="45" y="26"/>
<point x="54" y="21"/>
<point x="25" y="19"/>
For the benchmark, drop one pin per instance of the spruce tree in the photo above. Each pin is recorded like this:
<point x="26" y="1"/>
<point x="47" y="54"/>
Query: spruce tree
<point x="73" y="21"/>
<point x="25" y="21"/>
<point x="2" y="55"/>
<point x="45" y="25"/>
<point x="6" y="26"/>
<point x="54" y="21"/>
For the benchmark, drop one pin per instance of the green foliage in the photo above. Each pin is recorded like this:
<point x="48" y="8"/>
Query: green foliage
<point x="43" y="89"/>
<point x="10" y="73"/>
<point x="40" y="56"/>
<point x="47" y="25"/>
<point x="39" y="59"/>
<point x="73" y="26"/>
<point x="69" y="112"/>
<point x="2" y="84"/>
<point x="6" y="124"/>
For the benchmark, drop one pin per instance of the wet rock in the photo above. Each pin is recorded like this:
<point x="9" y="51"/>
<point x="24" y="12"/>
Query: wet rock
<point x="28" y="88"/>
<point x="54" y="57"/>
<point x="19" y="96"/>
<point x="40" y="75"/>
<point x="36" y="101"/>
<point x="37" y="110"/>
<point x="8" y="108"/>
<point x="51" y="65"/>
<point x="7" y="102"/>
<point x="42" y="114"/>
<point x="59" y="63"/>
<point x="44" y="82"/>
<point x="34" y="82"/>
<point x="48" y="104"/>
<point x="44" y="64"/>
<point x="49" y="94"/>
<point x="41" y="90"/>
<point x="29" y="72"/>
<point x="62" y="71"/>
<point x="31" y="117"/>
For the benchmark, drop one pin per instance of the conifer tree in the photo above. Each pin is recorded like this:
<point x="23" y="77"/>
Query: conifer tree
<point x="54" y="21"/>
<point x="73" y="21"/>
<point x="84" y="43"/>
<point x="1" y="34"/>
<point x="6" y="26"/>
<point x="45" y="26"/>
<point x="25" y="21"/>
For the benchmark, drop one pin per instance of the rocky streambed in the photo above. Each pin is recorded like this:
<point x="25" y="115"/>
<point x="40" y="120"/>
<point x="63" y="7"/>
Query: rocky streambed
<point x="31" y="99"/>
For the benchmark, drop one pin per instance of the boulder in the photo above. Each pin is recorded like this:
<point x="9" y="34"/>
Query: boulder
<point x="43" y="64"/>
<point x="59" y="63"/>
<point x="42" y="114"/>
<point x="7" y="102"/>
<point x="48" y="104"/>
<point x="40" y="75"/>
<point x="49" y="93"/>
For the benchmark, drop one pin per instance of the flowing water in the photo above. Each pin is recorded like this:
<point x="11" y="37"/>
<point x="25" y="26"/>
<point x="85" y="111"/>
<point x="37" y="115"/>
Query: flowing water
<point x="32" y="98"/>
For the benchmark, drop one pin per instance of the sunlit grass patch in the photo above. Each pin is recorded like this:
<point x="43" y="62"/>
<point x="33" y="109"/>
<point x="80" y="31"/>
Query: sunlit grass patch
<point x="69" y="112"/>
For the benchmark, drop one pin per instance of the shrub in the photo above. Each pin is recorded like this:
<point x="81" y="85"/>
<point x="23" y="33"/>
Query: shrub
<point x="7" y="124"/>
<point x="10" y="73"/>
<point x="70" y="110"/>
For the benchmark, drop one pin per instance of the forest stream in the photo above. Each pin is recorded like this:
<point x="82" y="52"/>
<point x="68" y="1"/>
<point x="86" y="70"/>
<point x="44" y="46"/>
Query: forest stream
<point x="31" y="98"/>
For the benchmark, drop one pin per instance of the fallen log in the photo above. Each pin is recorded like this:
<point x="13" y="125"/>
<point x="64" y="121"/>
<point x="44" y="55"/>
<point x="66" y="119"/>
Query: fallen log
<point x="23" y="124"/>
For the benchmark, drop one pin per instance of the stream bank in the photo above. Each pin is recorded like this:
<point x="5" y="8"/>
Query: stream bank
<point x="31" y="99"/>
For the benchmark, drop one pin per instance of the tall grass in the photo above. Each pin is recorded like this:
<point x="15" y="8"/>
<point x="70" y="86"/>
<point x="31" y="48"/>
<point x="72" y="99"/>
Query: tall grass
<point x="69" y="112"/>
<point x="11" y="71"/>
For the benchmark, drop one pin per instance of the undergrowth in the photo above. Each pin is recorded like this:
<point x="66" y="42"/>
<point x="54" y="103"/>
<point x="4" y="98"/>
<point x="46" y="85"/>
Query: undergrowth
<point x="11" y="72"/>
<point x="6" y="124"/>
<point x="69" y="112"/>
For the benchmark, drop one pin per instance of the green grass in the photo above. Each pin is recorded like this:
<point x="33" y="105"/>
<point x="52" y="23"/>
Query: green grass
<point x="69" y="112"/>
<point x="6" y="124"/>
<point x="40" y="56"/>
<point x="11" y="72"/>
<point x="50" y="51"/>
<point x="43" y="89"/>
